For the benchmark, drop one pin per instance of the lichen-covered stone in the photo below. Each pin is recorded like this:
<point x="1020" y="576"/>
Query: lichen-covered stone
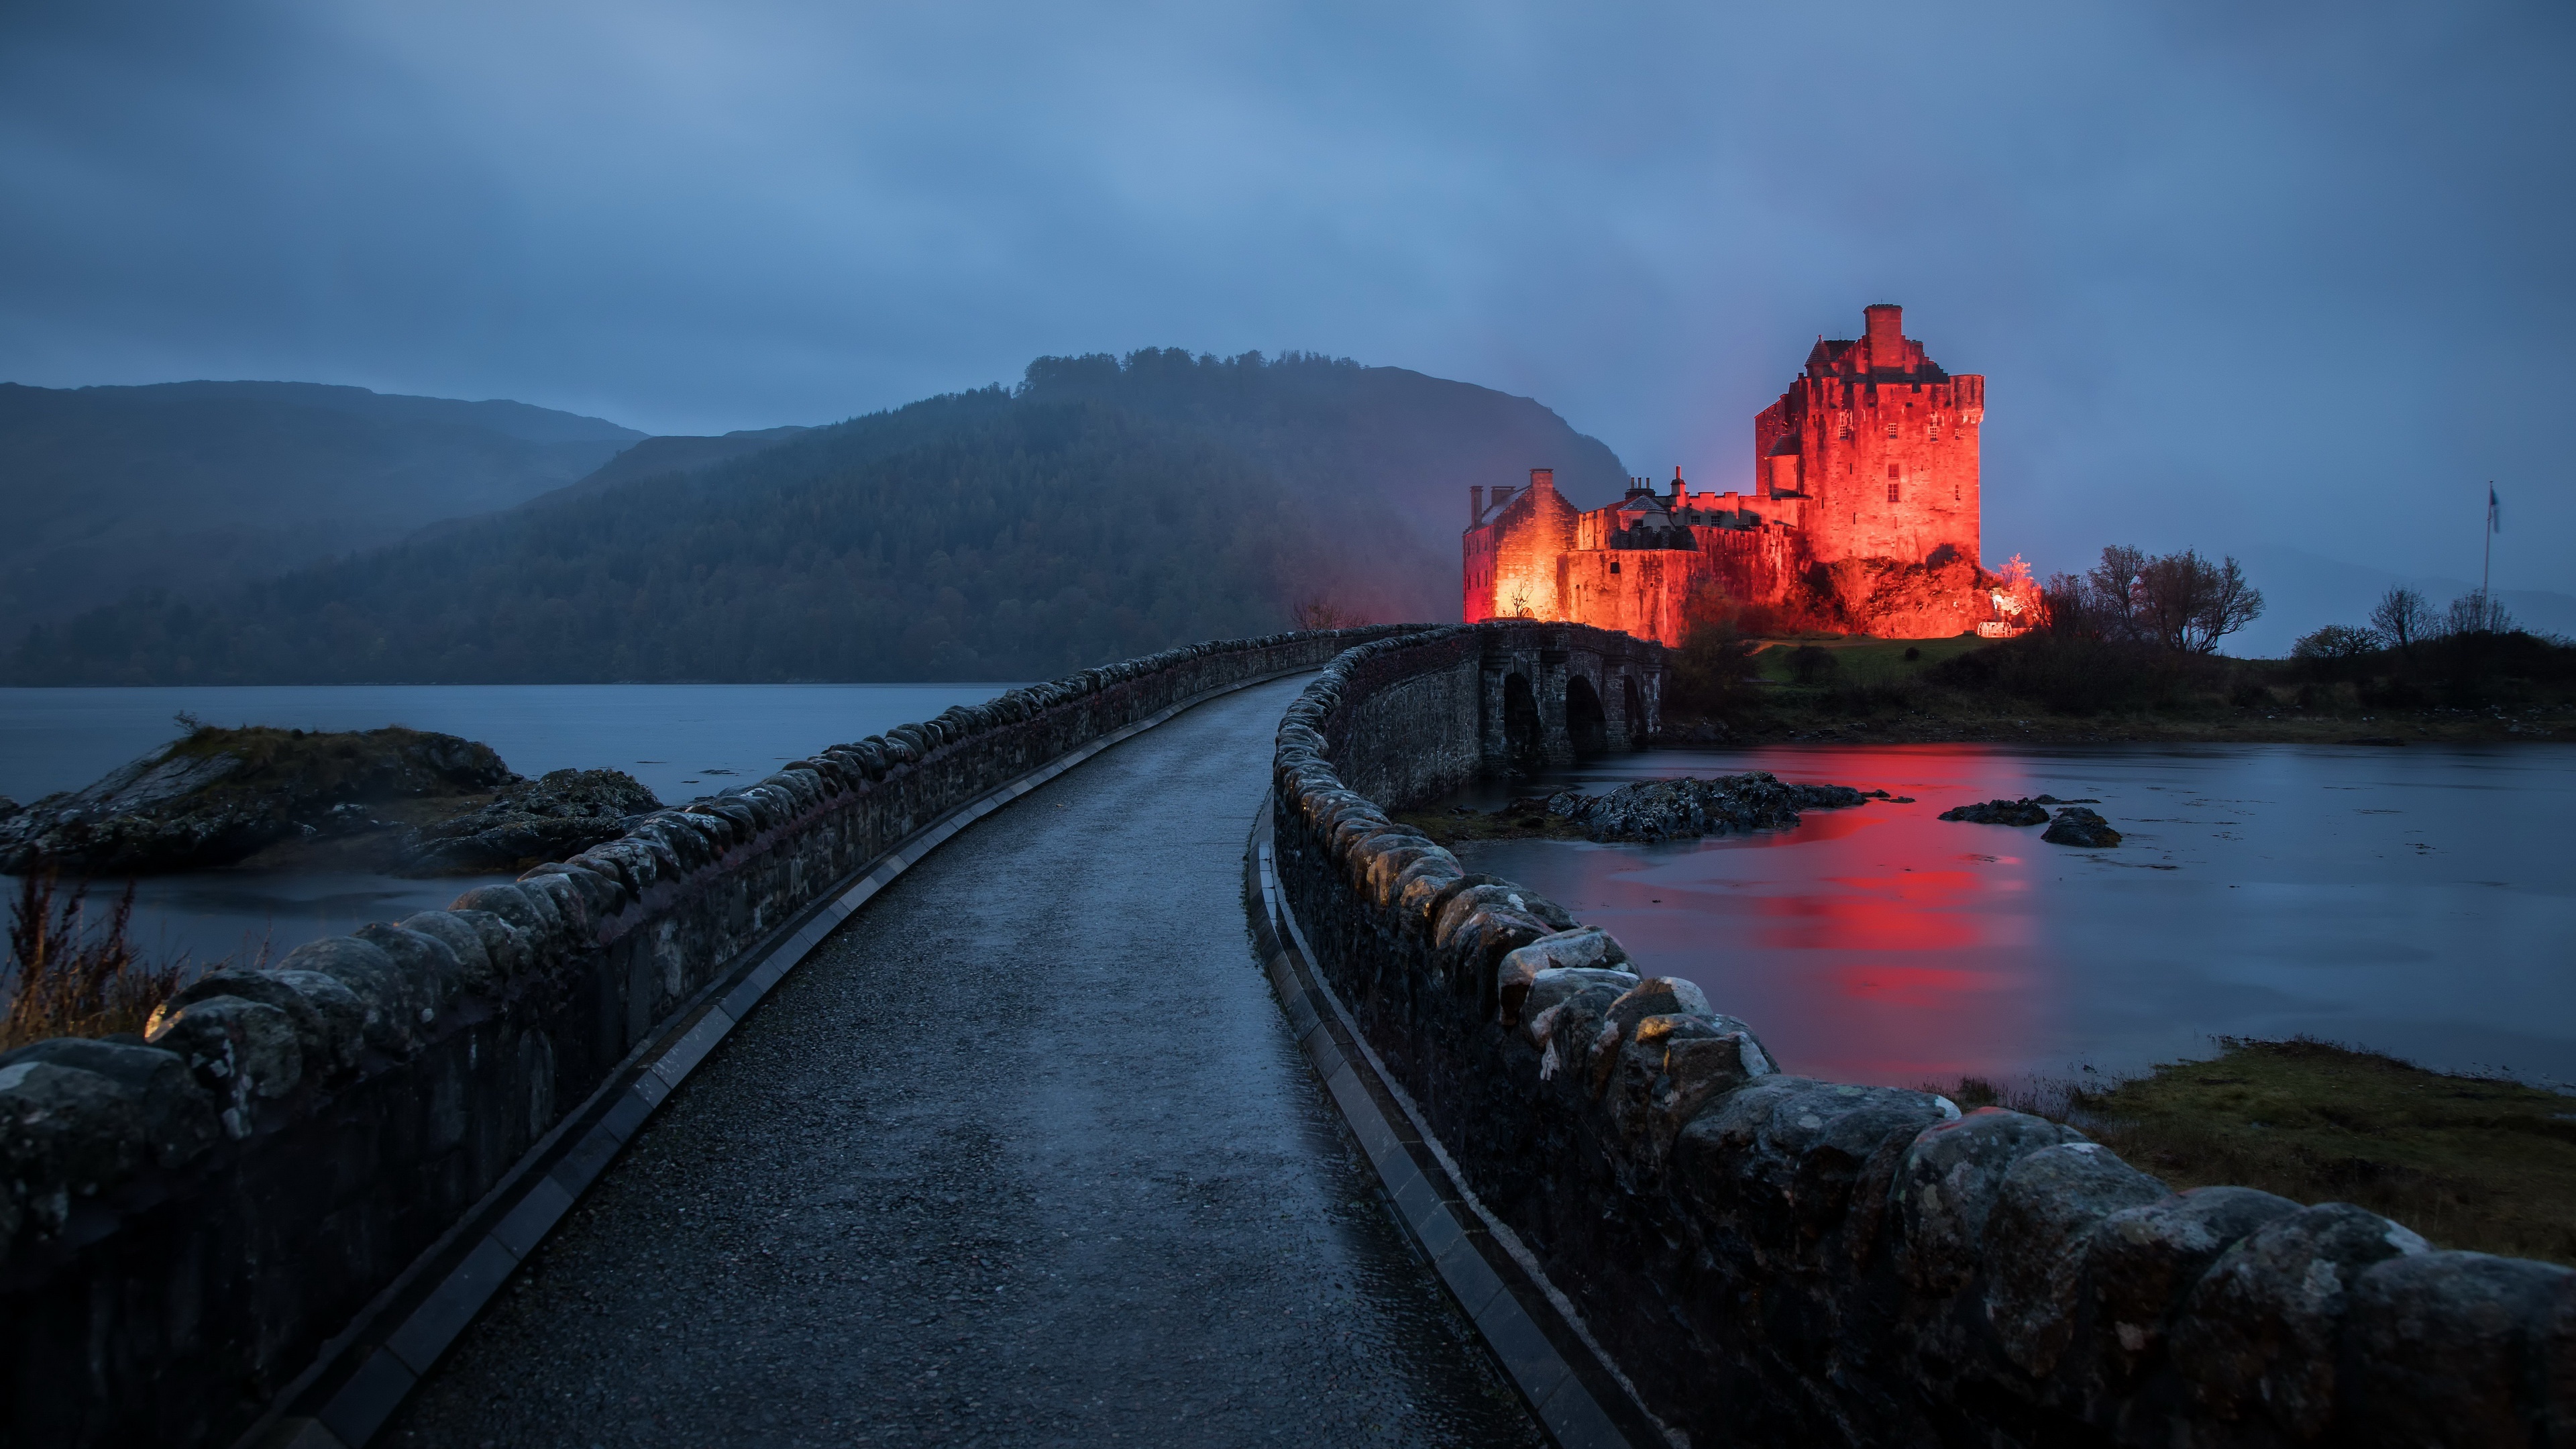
<point x="531" y="912"/>
<point x="1783" y="1160"/>
<point x="2141" y="1261"/>
<point x="1947" y="1185"/>
<point x="2036" y="1239"/>
<point x="465" y="942"/>
<point x="2442" y="1349"/>
<point x="243" y="1052"/>
<point x="437" y="978"/>
<point x="1549" y="987"/>
<point x="393" y="1002"/>
<point x="328" y="1021"/>
<point x="1585" y="946"/>
<point x="2256" y="1337"/>
<point x="72" y="1127"/>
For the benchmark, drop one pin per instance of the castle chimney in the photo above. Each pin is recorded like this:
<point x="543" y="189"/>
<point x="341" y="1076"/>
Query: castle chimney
<point x="1476" y="505"/>
<point x="1886" y="337"/>
<point x="1542" y="480"/>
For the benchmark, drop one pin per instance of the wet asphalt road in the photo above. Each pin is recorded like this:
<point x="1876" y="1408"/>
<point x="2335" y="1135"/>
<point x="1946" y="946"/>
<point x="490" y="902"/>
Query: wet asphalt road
<point x="1022" y="1155"/>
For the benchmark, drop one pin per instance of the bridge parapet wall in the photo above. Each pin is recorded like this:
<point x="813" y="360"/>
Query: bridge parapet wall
<point x="185" y="1224"/>
<point x="1773" y="1259"/>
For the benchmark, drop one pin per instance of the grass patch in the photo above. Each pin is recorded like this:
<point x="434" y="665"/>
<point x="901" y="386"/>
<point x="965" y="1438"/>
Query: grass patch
<point x="2469" y="1162"/>
<point x="1861" y="660"/>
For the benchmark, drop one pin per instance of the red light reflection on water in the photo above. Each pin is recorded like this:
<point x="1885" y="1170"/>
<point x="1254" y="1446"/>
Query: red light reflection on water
<point x="1877" y="944"/>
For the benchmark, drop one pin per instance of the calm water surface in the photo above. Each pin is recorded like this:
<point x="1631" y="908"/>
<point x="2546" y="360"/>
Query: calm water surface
<point x="681" y="740"/>
<point x="2417" y="901"/>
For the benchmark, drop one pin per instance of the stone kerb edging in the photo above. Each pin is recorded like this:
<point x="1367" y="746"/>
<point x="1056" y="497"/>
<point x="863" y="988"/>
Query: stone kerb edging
<point x="1773" y="1259"/>
<point x="186" y="1225"/>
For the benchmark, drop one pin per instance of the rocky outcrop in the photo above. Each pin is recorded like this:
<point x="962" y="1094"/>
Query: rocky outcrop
<point x="1774" y="1259"/>
<point x="1688" y="808"/>
<point x="2078" y="826"/>
<point x="1999" y="812"/>
<point x="555" y="817"/>
<point x="216" y="796"/>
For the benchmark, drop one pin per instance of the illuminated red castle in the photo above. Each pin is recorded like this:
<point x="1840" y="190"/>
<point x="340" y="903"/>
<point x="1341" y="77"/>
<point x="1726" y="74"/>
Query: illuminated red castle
<point x="1863" y="513"/>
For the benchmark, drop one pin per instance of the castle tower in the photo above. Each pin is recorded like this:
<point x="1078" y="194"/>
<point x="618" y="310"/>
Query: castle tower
<point x="1881" y="446"/>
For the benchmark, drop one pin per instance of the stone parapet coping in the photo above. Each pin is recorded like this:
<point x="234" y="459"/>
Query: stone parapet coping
<point x="1581" y="1399"/>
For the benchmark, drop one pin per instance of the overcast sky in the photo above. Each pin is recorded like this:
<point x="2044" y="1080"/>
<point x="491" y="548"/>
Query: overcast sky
<point x="2237" y="275"/>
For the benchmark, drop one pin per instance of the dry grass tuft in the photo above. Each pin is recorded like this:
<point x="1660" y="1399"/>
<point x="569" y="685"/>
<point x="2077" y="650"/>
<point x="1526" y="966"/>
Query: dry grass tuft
<point x="68" y="976"/>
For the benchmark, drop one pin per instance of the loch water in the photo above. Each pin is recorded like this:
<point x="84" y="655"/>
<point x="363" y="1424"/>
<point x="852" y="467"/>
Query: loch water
<point x="2419" y="901"/>
<point x="681" y="740"/>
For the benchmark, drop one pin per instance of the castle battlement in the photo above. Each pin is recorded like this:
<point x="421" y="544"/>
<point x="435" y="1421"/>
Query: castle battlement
<point x="1871" y="455"/>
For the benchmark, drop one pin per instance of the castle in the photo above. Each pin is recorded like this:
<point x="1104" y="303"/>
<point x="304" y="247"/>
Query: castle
<point x="1863" y="514"/>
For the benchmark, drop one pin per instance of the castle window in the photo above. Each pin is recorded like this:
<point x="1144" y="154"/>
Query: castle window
<point x="1954" y="492"/>
<point x="1893" y="472"/>
<point x="1891" y="430"/>
<point x="1846" y="434"/>
<point x="1614" y="566"/>
<point x="1891" y="492"/>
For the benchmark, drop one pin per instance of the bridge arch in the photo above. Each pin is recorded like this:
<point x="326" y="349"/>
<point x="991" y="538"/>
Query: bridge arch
<point x="1634" y="714"/>
<point x="1587" y="725"/>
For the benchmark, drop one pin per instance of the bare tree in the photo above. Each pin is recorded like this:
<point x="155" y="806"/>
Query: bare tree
<point x="2112" y="592"/>
<point x="1321" y="612"/>
<point x="2403" y="618"/>
<point x="2185" y="602"/>
<point x="2477" y="613"/>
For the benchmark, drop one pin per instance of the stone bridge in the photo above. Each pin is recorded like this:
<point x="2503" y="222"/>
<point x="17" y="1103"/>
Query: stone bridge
<point x="926" y="1093"/>
<point x="1553" y="693"/>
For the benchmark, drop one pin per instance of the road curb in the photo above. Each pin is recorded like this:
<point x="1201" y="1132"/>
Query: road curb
<point x="363" y="1376"/>
<point x="1571" y="1387"/>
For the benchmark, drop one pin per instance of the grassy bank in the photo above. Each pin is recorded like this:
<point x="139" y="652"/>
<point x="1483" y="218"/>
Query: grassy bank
<point x="2468" y="1162"/>
<point x="2037" y="690"/>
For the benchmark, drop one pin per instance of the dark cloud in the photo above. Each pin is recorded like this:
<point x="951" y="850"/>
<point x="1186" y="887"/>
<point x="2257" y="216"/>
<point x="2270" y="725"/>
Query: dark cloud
<point x="2238" y="275"/>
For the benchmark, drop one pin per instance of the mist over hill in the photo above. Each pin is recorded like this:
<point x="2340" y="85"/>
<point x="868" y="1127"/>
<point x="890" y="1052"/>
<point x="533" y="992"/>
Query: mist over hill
<point x="190" y="485"/>
<point x="1102" y="508"/>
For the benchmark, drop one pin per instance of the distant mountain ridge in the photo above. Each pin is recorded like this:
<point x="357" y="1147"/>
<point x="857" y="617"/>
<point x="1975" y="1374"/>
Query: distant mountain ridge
<point x="193" y="485"/>
<point x="1104" y="507"/>
<point x="675" y="454"/>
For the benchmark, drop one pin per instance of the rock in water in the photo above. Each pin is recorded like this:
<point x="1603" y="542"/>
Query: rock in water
<point x="1687" y="808"/>
<point x="2076" y="825"/>
<point x="217" y="795"/>
<point x="2000" y="812"/>
<point x="558" y="816"/>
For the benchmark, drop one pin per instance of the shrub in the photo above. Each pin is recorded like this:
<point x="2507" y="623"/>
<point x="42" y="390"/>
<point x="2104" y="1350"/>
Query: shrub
<point x="2075" y="674"/>
<point x="1712" y="673"/>
<point x="2336" y="651"/>
<point x="1810" y="665"/>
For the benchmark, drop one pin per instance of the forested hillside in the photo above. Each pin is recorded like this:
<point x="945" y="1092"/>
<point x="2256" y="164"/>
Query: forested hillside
<point x="190" y="485"/>
<point x="1099" y="510"/>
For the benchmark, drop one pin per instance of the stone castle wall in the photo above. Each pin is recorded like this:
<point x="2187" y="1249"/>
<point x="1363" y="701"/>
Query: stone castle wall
<point x="1774" y="1259"/>
<point x="185" y="1225"/>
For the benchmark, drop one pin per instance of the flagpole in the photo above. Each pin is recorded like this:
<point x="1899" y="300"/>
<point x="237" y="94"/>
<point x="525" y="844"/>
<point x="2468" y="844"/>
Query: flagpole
<point x="2486" y="570"/>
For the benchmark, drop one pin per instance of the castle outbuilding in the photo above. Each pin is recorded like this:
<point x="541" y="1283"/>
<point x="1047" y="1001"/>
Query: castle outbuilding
<point x="1864" y="507"/>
